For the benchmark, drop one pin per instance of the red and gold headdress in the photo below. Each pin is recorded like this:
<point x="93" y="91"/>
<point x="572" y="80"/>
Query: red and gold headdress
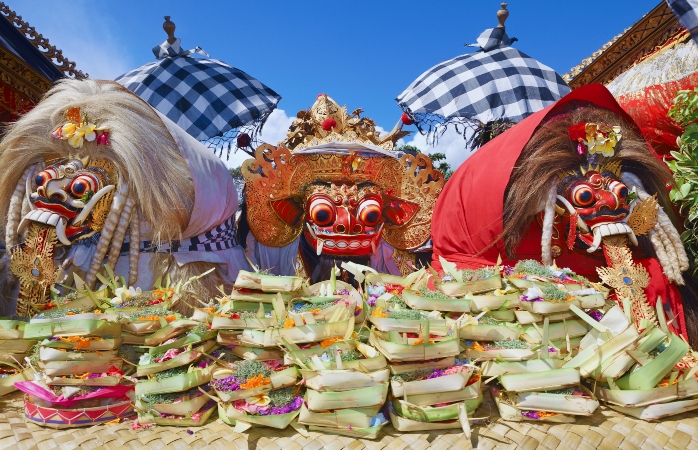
<point x="336" y="179"/>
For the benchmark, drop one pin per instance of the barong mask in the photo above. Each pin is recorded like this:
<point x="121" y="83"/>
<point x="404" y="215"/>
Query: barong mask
<point x="73" y="195"/>
<point x="600" y="202"/>
<point x="336" y="181"/>
<point x="93" y="164"/>
<point x="597" y="204"/>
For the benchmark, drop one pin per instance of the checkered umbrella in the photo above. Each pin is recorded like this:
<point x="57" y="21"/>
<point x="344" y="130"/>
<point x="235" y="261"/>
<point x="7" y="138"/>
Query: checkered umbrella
<point x="492" y="87"/>
<point x="212" y="101"/>
<point x="687" y="13"/>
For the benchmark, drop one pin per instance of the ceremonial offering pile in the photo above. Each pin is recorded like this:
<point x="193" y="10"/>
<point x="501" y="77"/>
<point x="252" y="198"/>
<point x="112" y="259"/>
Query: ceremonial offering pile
<point x="646" y="372"/>
<point x="77" y="377"/>
<point x="170" y="372"/>
<point x="524" y="347"/>
<point x="276" y="352"/>
<point x="13" y="349"/>
<point x="346" y="380"/>
<point x="347" y="385"/>
<point x="431" y="388"/>
<point x="260" y="389"/>
<point x="167" y="352"/>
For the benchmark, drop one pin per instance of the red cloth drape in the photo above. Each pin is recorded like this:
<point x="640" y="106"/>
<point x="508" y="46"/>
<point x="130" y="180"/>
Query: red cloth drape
<point x="649" y="107"/>
<point x="468" y="213"/>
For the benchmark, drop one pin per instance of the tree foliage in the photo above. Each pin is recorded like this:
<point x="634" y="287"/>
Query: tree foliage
<point x="685" y="168"/>
<point x="438" y="159"/>
<point x="238" y="180"/>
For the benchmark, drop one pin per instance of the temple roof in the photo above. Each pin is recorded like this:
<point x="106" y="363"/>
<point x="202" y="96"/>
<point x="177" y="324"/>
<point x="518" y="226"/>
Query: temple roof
<point x="28" y="62"/>
<point x="648" y="34"/>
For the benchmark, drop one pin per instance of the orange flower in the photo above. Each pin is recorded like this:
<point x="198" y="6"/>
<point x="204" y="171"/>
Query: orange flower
<point x="330" y="341"/>
<point x="82" y="342"/>
<point x="421" y="341"/>
<point x="98" y="311"/>
<point x="378" y="312"/>
<point x="473" y="379"/>
<point x="163" y="293"/>
<point x="170" y="318"/>
<point x="70" y="313"/>
<point x="314" y="311"/>
<point x="543" y="414"/>
<point x="83" y="376"/>
<point x="289" y="323"/>
<point x="477" y="347"/>
<point x="208" y="310"/>
<point x="665" y="382"/>
<point x="255" y="381"/>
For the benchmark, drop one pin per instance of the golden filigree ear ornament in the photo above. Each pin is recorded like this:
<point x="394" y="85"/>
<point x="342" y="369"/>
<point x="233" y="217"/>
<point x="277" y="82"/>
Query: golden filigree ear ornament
<point x="79" y="129"/>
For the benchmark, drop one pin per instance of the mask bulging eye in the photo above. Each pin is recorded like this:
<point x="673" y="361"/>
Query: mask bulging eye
<point x="369" y="212"/>
<point x="42" y="178"/>
<point x="619" y="189"/>
<point x="321" y="212"/>
<point x="582" y="195"/>
<point x="81" y="185"/>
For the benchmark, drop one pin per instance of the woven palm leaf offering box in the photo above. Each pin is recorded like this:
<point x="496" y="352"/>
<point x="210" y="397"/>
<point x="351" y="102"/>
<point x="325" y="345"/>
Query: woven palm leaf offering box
<point x="250" y="306"/>
<point x="78" y="375"/>
<point x="521" y="325"/>
<point x="430" y="387"/>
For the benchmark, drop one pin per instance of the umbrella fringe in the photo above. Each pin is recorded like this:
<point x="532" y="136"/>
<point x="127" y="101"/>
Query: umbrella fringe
<point x="433" y="126"/>
<point x="232" y="140"/>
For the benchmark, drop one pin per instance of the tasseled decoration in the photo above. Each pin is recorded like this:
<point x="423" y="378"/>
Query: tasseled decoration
<point x="572" y="234"/>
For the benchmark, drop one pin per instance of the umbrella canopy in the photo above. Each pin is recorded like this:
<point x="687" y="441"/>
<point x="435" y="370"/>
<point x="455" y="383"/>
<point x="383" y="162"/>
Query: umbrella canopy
<point x="209" y="99"/>
<point x="496" y="83"/>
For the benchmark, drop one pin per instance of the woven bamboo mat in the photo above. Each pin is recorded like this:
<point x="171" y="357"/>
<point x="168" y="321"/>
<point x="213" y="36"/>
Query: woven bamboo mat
<point x="606" y="429"/>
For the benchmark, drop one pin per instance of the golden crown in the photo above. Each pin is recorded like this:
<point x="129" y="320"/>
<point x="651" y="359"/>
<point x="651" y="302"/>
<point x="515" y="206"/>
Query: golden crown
<point x="326" y="122"/>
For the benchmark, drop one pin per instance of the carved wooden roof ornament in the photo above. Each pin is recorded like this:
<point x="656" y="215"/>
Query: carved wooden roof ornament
<point x="42" y="44"/>
<point x="649" y="33"/>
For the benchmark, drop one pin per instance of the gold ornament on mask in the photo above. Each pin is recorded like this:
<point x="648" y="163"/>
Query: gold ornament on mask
<point x="644" y="215"/>
<point x="34" y="266"/>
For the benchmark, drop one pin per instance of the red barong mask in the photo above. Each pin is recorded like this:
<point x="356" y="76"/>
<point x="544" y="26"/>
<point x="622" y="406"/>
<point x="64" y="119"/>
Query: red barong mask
<point x="336" y="182"/>
<point x="566" y="186"/>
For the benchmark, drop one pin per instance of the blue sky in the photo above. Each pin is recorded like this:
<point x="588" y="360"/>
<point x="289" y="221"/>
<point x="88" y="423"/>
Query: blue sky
<point x="361" y="53"/>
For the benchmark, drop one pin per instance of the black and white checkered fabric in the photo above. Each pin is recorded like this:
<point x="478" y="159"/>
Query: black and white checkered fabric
<point x="687" y="13"/>
<point x="223" y="237"/>
<point x="204" y="96"/>
<point x="492" y="38"/>
<point x="502" y="83"/>
<point x="167" y="50"/>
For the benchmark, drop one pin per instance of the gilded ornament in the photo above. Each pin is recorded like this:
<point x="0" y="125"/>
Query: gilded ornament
<point x="33" y="265"/>
<point x="644" y="215"/>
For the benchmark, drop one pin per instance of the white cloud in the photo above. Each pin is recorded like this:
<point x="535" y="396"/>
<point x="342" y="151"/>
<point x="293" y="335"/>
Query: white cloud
<point x="276" y="127"/>
<point x="451" y="143"/>
<point x="273" y="132"/>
